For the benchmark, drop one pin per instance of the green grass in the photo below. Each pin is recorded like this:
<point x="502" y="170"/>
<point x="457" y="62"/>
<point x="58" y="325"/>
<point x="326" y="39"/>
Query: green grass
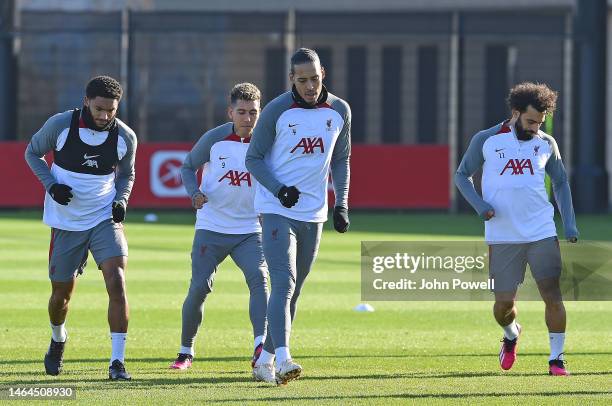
<point x="404" y="352"/>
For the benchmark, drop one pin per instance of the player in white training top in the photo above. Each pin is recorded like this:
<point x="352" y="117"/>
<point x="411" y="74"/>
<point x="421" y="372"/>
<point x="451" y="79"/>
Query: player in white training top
<point x="226" y="224"/>
<point x="88" y="187"/>
<point x="301" y="135"/>
<point x="515" y="156"/>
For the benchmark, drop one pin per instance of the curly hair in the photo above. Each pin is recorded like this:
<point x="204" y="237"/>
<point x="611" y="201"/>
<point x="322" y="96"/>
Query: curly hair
<point x="244" y="91"/>
<point x="537" y="95"/>
<point x="103" y="86"/>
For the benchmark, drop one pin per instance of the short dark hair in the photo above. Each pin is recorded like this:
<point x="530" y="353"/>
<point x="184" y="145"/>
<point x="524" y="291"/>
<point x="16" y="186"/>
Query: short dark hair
<point x="537" y="95"/>
<point x="244" y="91"/>
<point x="304" y="55"/>
<point x="103" y="86"/>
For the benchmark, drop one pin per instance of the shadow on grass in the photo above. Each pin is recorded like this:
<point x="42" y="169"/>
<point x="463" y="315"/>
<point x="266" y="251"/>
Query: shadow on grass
<point x="171" y="380"/>
<point x="487" y="354"/>
<point x="304" y="356"/>
<point x="195" y="377"/>
<point x="420" y="396"/>
<point x="174" y="379"/>
<point x="427" y="375"/>
<point x="167" y="360"/>
<point x="71" y="372"/>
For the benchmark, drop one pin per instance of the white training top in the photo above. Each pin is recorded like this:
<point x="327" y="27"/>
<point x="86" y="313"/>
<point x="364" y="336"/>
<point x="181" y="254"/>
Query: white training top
<point x="513" y="183"/>
<point x="88" y="166"/>
<point x="227" y="184"/>
<point x="296" y="146"/>
<point x="92" y="194"/>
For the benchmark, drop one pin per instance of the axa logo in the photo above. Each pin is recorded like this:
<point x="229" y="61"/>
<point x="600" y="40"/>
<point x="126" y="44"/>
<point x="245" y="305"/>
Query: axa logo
<point x="309" y="144"/>
<point x="236" y="178"/>
<point x="518" y="166"/>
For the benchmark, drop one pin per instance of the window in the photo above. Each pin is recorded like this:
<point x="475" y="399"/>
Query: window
<point x="276" y="74"/>
<point x="499" y="66"/>
<point x="391" y="94"/>
<point x="427" y="95"/>
<point x="356" y="91"/>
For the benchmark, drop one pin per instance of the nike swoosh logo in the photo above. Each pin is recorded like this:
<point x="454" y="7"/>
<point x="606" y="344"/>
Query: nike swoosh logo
<point x="222" y="157"/>
<point x="501" y="149"/>
<point x="90" y="156"/>
<point x="292" y="125"/>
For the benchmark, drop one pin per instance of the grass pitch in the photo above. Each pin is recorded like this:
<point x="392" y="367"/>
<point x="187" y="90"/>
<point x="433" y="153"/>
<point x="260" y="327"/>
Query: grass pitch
<point x="404" y="352"/>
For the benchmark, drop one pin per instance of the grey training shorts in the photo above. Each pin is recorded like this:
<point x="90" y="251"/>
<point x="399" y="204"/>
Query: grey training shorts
<point x="508" y="262"/>
<point x="68" y="249"/>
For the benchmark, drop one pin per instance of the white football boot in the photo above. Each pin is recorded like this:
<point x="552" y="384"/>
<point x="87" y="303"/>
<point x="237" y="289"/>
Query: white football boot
<point x="287" y="371"/>
<point x="264" y="373"/>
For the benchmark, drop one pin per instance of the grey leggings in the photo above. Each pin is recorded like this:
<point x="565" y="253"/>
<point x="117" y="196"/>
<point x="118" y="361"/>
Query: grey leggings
<point x="208" y="251"/>
<point x="290" y="247"/>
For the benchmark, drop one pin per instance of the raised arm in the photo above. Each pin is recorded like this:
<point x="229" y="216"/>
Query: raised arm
<point x="561" y="189"/>
<point x="264" y="135"/>
<point x="43" y="142"/>
<point x="472" y="161"/>
<point x="124" y="180"/>
<point x="198" y="156"/>
<point x="340" y="161"/>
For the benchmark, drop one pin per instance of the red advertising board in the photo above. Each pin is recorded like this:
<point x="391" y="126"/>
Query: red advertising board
<point x="382" y="177"/>
<point x="20" y="187"/>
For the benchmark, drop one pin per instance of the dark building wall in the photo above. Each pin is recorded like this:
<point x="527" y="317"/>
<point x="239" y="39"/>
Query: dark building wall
<point x="386" y="38"/>
<point x="537" y="41"/>
<point x="59" y="53"/>
<point x="182" y="65"/>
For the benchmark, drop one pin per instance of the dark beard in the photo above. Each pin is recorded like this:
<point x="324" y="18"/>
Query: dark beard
<point x="521" y="133"/>
<point x="90" y="123"/>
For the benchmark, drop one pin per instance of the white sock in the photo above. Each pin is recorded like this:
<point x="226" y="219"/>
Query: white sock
<point x="264" y="358"/>
<point x="59" y="333"/>
<point x="118" y="347"/>
<point x="187" y="350"/>
<point x="282" y="355"/>
<point x="258" y="340"/>
<point x="511" y="330"/>
<point x="557" y="341"/>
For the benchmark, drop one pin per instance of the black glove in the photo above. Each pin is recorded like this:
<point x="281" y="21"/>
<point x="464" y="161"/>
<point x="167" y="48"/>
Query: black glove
<point x="60" y="193"/>
<point x="118" y="212"/>
<point x="341" y="220"/>
<point x="288" y="196"/>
